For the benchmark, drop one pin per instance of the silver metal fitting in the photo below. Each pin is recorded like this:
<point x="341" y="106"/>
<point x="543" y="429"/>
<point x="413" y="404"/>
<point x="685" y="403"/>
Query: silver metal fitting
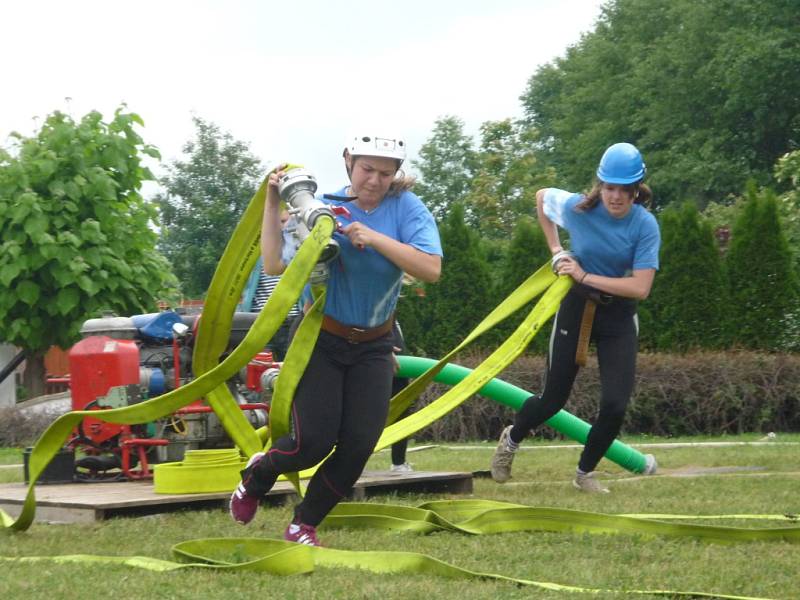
<point x="296" y="187"/>
<point x="268" y="379"/>
<point x="319" y="274"/>
<point x="559" y="256"/>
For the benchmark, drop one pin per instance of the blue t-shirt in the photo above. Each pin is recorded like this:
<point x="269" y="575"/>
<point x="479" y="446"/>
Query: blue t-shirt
<point x="363" y="285"/>
<point x="605" y="244"/>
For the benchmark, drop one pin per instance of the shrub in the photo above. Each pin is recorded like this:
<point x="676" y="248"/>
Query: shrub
<point x="18" y="428"/>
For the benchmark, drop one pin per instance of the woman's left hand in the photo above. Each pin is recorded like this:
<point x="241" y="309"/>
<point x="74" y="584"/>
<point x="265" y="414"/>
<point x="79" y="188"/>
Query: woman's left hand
<point x="395" y="360"/>
<point x="359" y="234"/>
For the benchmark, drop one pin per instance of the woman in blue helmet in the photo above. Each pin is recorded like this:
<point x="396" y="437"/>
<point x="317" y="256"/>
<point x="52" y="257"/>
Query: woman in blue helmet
<point x="341" y="402"/>
<point x="613" y="260"/>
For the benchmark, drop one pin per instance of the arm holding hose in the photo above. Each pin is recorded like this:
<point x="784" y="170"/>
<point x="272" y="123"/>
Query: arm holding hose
<point x="636" y="286"/>
<point x="549" y="228"/>
<point x="271" y="236"/>
<point x="418" y="264"/>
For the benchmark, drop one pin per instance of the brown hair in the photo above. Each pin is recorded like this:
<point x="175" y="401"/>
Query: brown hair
<point x="401" y="182"/>
<point x="641" y="193"/>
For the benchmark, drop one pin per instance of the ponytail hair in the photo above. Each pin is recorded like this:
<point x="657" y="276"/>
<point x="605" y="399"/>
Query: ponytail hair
<point x="402" y="183"/>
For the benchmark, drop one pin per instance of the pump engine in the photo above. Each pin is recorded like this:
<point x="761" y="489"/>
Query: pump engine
<point x="125" y="360"/>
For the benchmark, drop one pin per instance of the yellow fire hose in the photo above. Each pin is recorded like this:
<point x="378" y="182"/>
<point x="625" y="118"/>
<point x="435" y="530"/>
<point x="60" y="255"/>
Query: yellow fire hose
<point x="212" y="470"/>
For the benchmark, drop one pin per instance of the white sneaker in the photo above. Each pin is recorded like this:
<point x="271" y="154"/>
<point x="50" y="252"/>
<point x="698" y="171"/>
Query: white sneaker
<point x="586" y="482"/>
<point x="404" y="468"/>
<point x="503" y="457"/>
<point x="650" y="465"/>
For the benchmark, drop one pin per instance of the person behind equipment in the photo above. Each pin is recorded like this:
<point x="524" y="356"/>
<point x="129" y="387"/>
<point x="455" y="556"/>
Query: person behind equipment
<point x="259" y="288"/>
<point x="399" y="448"/>
<point x="615" y="242"/>
<point x="342" y="400"/>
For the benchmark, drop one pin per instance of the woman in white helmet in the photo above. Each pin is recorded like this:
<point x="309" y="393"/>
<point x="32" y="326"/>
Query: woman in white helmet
<point x="342" y="400"/>
<point x="615" y="242"/>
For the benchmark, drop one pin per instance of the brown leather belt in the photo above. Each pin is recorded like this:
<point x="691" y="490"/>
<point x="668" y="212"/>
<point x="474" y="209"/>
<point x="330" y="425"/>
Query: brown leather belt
<point x="585" y="332"/>
<point x="356" y="335"/>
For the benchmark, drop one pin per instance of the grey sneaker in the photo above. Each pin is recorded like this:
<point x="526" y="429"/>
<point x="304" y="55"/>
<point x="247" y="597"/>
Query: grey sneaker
<point x="587" y="482"/>
<point x="650" y="465"/>
<point x="404" y="468"/>
<point x="502" y="459"/>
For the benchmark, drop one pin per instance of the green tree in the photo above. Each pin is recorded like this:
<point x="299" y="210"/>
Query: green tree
<point x="707" y="90"/>
<point x="205" y="197"/>
<point x="76" y="233"/>
<point x="506" y="180"/>
<point x="414" y="316"/>
<point x="763" y="284"/>
<point x="462" y="297"/>
<point x="526" y="252"/>
<point x="689" y="300"/>
<point x="787" y="172"/>
<point x="446" y="166"/>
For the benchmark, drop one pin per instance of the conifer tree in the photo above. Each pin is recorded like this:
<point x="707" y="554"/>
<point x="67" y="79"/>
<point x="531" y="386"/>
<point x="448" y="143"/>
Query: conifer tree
<point x="462" y="297"/>
<point x="414" y="316"/>
<point x="524" y="255"/>
<point x="688" y="301"/>
<point x="763" y="285"/>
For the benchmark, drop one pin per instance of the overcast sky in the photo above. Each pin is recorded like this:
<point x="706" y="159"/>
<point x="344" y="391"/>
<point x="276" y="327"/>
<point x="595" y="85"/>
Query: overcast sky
<point x="292" y="79"/>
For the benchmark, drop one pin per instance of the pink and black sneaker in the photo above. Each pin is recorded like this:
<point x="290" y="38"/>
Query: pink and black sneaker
<point x="302" y="534"/>
<point x="243" y="505"/>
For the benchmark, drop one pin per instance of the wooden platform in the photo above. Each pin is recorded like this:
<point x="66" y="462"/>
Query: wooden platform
<point x="87" y="502"/>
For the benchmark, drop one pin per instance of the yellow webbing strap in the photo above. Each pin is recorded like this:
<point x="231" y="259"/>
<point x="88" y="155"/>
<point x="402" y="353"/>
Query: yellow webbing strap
<point x="278" y="557"/>
<point x="186" y="480"/>
<point x="474" y="517"/>
<point x="297" y="358"/>
<point x="508" y="351"/>
<point x="266" y="324"/>
<point x="230" y="277"/>
<point x="480" y="517"/>
<point x="525" y="292"/>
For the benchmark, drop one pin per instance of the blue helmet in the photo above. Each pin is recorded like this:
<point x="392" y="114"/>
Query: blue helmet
<point x="622" y="164"/>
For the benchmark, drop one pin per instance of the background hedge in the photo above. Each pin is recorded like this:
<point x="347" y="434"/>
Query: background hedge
<point x="700" y="393"/>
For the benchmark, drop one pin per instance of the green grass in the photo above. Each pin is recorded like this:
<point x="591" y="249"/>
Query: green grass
<point x="10" y="456"/>
<point x="542" y="477"/>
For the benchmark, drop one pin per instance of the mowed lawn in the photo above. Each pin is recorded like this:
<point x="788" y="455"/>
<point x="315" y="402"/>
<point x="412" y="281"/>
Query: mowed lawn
<point x="722" y="476"/>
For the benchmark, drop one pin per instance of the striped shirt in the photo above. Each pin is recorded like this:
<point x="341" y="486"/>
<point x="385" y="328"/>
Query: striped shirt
<point x="266" y="285"/>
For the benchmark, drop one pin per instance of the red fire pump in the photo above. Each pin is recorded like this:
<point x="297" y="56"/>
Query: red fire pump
<point x="125" y="360"/>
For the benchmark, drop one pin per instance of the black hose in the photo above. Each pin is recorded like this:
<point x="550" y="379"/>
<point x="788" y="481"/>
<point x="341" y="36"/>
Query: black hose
<point x="9" y="368"/>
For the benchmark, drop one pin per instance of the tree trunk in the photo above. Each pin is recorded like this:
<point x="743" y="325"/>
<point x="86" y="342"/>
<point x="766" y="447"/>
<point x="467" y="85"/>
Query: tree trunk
<point x="34" y="376"/>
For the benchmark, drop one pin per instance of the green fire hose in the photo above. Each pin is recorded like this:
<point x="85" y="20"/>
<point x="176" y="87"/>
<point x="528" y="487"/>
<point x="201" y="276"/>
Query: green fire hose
<point x="513" y="397"/>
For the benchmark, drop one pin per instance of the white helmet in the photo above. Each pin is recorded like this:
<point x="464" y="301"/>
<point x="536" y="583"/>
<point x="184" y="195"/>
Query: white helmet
<point x="371" y="145"/>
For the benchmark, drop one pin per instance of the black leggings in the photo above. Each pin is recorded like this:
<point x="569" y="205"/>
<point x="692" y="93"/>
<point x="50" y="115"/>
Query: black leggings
<point x="342" y="401"/>
<point x="400" y="447"/>
<point x="615" y="334"/>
